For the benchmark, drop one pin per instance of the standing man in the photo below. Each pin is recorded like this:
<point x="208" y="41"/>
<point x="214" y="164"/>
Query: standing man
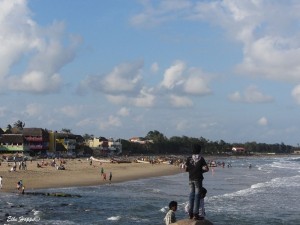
<point x="110" y="177"/>
<point x="195" y="166"/>
<point x="1" y="179"/>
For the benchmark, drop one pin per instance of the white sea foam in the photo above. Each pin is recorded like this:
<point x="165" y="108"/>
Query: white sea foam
<point x="59" y="222"/>
<point x="164" y="209"/>
<point x="36" y="212"/>
<point x="114" y="218"/>
<point x="156" y="190"/>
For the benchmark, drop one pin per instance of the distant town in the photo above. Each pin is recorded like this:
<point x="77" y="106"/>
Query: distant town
<point x="38" y="141"/>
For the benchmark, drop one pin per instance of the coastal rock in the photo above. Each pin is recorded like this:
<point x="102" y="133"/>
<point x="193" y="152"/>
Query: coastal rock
<point x="193" y="222"/>
<point x="55" y="194"/>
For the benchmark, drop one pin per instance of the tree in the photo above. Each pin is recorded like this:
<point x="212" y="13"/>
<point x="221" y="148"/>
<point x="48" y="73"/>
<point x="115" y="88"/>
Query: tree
<point x="65" y="130"/>
<point x="88" y="136"/>
<point x="9" y="127"/>
<point x="19" y="124"/>
<point x="156" y="136"/>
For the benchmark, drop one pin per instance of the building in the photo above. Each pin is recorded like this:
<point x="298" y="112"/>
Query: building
<point x="37" y="140"/>
<point x="13" y="143"/>
<point x="105" y="147"/>
<point x="238" y="149"/>
<point x="65" y="143"/>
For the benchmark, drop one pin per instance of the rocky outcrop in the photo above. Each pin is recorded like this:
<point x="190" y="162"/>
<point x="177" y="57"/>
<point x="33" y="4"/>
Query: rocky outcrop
<point x="55" y="194"/>
<point x="193" y="222"/>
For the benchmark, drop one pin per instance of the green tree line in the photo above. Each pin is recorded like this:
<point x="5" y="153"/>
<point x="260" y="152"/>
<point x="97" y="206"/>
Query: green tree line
<point x="160" y="144"/>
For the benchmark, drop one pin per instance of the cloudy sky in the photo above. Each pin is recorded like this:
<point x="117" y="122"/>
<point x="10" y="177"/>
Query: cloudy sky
<point x="219" y="69"/>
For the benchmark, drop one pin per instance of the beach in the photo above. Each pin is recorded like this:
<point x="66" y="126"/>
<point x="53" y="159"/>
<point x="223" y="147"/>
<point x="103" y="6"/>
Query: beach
<point x="77" y="173"/>
<point x="267" y="193"/>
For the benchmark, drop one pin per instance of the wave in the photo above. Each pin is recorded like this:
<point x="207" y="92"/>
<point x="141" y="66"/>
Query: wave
<point x="114" y="218"/>
<point x="278" y="182"/>
<point x="294" y="159"/>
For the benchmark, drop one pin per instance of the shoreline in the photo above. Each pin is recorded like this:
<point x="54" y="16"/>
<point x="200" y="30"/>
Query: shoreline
<point x="79" y="173"/>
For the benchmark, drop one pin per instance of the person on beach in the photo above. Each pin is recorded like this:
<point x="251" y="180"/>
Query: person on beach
<point x="1" y="182"/>
<point x="102" y="171"/>
<point x="110" y="177"/>
<point x="170" y="216"/>
<point x="195" y="166"/>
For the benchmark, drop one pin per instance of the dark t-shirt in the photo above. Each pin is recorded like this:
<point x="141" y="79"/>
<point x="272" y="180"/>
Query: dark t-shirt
<point x="195" y="169"/>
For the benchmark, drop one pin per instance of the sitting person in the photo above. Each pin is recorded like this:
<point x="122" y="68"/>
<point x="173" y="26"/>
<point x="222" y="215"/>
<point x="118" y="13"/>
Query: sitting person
<point x="61" y="167"/>
<point x="170" y="216"/>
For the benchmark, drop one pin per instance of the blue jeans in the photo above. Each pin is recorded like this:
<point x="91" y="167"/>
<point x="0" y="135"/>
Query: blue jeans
<point x="195" y="191"/>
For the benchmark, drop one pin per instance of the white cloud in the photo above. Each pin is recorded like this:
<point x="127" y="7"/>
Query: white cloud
<point x="296" y="94"/>
<point x="155" y="67"/>
<point x="124" y="112"/>
<point x="235" y="97"/>
<point x="196" y="84"/>
<point x="37" y="53"/>
<point x="117" y="99"/>
<point x="182" y="125"/>
<point x="144" y="99"/>
<point x="34" y="109"/>
<point x="180" y="101"/>
<point x="124" y="78"/>
<point x="85" y="122"/>
<point x="112" y="121"/>
<point x="123" y="86"/>
<point x="165" y="10"/>
<point x="36" y="82"/>
<point x="266" y="29"/>
<point x="3" y="111"/>
<point x="251" y="95"/>
<point x="71" y="111"/>
<point x="187" y="80"/>
<point x="263" y="121"/>
<point x="173" y="75"/>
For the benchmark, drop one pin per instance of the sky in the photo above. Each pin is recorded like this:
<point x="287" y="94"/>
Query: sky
<point x="219" y="69"/>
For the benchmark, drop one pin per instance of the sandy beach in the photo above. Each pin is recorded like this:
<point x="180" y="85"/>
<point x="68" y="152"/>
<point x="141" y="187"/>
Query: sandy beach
<point x="78" y="172"/>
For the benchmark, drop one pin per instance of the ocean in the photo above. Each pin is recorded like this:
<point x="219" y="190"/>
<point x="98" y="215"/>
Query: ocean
<point x="268" y="193"/>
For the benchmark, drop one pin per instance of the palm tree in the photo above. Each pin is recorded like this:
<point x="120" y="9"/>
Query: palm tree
<point x="19" y="124"/>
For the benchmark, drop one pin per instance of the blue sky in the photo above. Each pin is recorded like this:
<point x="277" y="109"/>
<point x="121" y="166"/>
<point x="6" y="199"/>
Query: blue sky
<point x="222" y="70"/>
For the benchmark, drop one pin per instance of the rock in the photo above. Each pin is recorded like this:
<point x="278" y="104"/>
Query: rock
<point x="55" y="194"/>
<point x="193" y="222"/>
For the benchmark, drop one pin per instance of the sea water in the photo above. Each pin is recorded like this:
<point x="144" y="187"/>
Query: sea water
<point x="268" y="193"/>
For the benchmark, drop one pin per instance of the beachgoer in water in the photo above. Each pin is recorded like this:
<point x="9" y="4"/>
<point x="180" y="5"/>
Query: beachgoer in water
<point x="195" y="166"/>
<point x="23" y="190"/>
<point x="170" y="216"/>
<point x="20" y="185"/>
<point x="110" y="177"/>
<point x="1" y="182"/>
